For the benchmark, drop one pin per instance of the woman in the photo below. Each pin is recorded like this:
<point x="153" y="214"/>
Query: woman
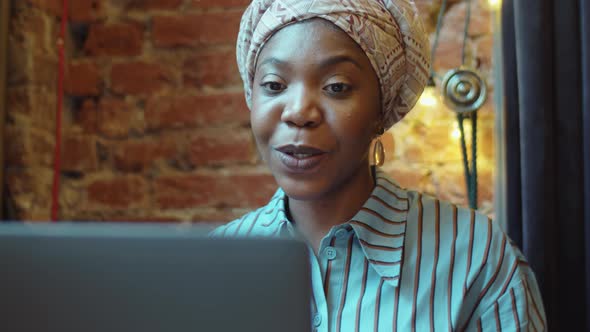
<point x="323" y="80"/>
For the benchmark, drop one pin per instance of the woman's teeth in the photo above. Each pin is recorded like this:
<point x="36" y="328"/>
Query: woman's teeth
<point x="302" y="155"/>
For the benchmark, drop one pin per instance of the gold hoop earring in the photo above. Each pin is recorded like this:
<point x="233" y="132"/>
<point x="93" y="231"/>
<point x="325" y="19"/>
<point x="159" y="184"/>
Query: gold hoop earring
<point x="378" y="153"/>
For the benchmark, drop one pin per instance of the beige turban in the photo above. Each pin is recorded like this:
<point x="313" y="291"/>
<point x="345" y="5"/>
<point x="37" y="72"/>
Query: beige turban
<point x="390" y="33"/>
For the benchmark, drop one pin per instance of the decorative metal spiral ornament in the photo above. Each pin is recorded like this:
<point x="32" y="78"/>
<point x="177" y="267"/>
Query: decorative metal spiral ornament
<point x="464" y="90"/>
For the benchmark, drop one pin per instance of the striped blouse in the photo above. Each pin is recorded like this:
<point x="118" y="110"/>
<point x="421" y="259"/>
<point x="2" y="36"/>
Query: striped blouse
<point x="408" y="262"/>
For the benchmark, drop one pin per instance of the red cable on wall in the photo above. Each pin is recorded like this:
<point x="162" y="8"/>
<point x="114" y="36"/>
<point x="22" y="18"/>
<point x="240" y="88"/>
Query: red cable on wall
<point x="58" y="116"/>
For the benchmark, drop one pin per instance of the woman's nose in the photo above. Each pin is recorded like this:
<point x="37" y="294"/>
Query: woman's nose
<point x="302" y="109"/>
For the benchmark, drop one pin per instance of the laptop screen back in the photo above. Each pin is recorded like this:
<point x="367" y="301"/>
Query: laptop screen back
<point x="149" y="278"/>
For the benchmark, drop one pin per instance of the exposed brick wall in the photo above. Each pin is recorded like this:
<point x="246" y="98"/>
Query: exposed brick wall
<point x="155" y="124"/>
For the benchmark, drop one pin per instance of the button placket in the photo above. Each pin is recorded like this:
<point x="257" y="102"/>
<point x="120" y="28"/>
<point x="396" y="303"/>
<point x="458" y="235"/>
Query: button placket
<point x="330" y="253"/>
<point x="328" y="259"/>
<point x="341" y="233"/>
<point x="317" y="320"/>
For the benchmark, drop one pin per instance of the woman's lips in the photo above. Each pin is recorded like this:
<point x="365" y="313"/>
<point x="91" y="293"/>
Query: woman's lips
<point x="299" y="158"/>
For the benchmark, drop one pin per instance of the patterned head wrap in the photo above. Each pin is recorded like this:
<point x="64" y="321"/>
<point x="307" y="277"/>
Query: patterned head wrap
<point x="390" y="33"/>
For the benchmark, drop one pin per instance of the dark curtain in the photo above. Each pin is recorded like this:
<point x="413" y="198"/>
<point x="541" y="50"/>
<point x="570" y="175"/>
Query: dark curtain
<point x="546" y="61"/>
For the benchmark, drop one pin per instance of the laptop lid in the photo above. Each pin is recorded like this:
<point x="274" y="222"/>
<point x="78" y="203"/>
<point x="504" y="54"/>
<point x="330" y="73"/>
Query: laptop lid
<point x="89" y="277"/>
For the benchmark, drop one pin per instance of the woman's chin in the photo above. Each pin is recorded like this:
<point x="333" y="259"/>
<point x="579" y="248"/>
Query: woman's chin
<point x="302" y="190"/>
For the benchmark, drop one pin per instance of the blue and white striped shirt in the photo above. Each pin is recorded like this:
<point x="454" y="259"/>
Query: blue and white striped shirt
<point x="408" y="262"/>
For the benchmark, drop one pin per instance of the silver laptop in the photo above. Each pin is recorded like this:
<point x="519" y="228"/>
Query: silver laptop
<point x="109" y="277"/>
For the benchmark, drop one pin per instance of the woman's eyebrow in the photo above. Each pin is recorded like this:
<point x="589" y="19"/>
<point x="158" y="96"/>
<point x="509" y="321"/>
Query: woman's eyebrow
<point x="331" y="61"/>
<point x="334" y="60"/>
<point x="273" y="61"/>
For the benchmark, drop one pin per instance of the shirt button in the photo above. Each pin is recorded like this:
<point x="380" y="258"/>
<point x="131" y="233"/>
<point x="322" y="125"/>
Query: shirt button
<point x="330" y="252"/>
<point x="317" y="320"/>
<point x="341" y="233"/>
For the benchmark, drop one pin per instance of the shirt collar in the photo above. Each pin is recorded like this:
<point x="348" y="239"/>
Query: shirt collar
<point x="380" y="225"/>
<point x="274" y="215"/>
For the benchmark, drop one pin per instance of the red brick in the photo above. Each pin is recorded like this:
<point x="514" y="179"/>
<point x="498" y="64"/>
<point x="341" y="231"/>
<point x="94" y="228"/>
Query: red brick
<point x="221" y="147"/>
<point x="86" y="116"/>
<point x="135" y="156"/>
<point x="86" y="10"/>
<point x="79" y="10"/>
<point x="121" y="39"/>
<point x="219" y="3"/>
<point x="83" y="79"/>
<point x="116" y="119"/>
<point x="196" y="29"/>
<point x="153" y="4"/>
<point x="454" y="20"/>
<point x="192" y="191"/>
<point x="118" y="193"/>
<point x="139" y="78"/>
<point x="448" y="54"/>
<point x="215" y="69"/>
<point x="193" y="111"/>
<point x="484" y="50"/>
<point x="79" y="154"/>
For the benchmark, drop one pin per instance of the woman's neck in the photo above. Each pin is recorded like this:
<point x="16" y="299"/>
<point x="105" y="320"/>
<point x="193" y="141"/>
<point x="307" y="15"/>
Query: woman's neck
<point x="315" y="218"/>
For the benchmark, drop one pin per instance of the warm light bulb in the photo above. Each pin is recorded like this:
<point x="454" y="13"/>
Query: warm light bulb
<point x="495" y="4"/>
<point x="455" y="133"/>
<point x="429" y="97"/>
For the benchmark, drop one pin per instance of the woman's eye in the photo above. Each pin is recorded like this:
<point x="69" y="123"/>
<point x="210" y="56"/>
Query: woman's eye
<point x="337" y="88"/>
<point x="273" y="86"/>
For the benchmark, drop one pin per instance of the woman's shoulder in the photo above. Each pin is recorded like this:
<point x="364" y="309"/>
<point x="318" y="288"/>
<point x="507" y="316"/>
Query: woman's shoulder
<point x="472" y="241"/>
<point x="241" y="226"/>
<point x="261" y="222"/>
<point x="452" y="220"/>
<point x="473" y="249"/>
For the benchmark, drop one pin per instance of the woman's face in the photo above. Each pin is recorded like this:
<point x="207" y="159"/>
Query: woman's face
<point x="315" y="108"/>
